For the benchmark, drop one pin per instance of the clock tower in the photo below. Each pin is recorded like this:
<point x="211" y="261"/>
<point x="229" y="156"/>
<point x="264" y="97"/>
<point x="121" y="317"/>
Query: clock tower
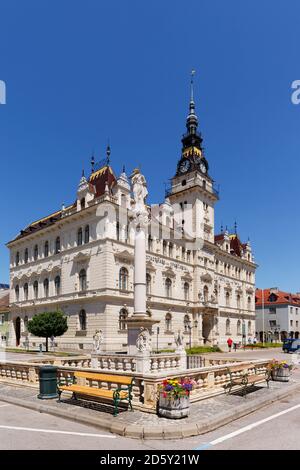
<point x="192" y="192"/>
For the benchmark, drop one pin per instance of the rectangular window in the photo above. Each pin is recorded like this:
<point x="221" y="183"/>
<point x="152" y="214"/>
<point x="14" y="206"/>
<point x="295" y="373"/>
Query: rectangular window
<point x="297" y="323"/>
<point x="291" y="322"/>
<point x="272" y="310"/>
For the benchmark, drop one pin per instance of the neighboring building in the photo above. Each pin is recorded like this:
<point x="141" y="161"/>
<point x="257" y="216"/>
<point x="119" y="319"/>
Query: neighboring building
<point x="281" y="312"/>
<point x="80" y="259"/>
<point x="4" y="314"/>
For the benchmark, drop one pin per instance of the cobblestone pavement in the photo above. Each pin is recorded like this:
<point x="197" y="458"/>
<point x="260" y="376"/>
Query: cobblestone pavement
<point x="207" y="408"/>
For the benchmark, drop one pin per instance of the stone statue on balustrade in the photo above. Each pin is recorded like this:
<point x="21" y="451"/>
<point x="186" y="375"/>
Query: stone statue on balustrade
<point x="97" y="341"/>
<point x="179" y="338"/>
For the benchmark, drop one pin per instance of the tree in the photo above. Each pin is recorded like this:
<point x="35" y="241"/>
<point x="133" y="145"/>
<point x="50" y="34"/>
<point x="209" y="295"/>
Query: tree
<point x="48" y="324"/>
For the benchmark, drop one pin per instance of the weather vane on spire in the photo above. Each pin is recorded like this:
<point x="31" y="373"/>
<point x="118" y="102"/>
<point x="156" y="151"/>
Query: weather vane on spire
<point x="192" y="84"/>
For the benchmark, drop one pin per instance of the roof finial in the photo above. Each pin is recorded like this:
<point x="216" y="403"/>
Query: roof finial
<point x="82" y="172"/>
<point x="192" y="85"/>
<point x="235" y="227"/>
<point x="108" y="152"/>
<point x="93" y="162"/>
<point x="222" y="228"/>
<point x="123" y="170"/>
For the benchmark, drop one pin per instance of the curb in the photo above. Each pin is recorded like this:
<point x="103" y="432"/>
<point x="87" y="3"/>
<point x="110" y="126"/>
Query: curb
<point x="155" y="432"/>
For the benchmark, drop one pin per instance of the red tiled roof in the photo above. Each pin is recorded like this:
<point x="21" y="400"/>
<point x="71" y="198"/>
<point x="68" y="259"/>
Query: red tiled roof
<point x="236" y="247"/>
<point x="280" y="297"/>
<point x="4" y="303"/>
<point x="99" y="178"/>
<point x="97" y="182"/>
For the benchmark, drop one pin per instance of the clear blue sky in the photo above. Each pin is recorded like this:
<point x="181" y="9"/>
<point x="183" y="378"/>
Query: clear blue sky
<point x="80" y="72"/>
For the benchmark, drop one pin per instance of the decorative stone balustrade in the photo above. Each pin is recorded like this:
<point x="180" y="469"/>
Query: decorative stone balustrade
<point x="210" y="381"/>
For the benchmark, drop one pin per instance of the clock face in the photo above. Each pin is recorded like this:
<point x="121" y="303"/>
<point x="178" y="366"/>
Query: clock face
<point x="184" y="166"/>
<point x="203" y="168"/>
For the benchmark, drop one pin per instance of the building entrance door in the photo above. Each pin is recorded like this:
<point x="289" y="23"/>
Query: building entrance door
<point x="18" y="330"/>
<point x="207" y="328"/>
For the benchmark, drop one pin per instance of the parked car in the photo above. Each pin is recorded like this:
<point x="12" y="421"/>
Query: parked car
<point x="291" y="345"/>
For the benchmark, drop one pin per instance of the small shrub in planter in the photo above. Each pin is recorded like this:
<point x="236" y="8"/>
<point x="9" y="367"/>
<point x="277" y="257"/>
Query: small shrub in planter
<point x="174" y="398"/>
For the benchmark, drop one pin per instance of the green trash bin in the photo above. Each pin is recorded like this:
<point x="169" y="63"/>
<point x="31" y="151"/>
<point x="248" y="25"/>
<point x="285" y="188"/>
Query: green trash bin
<point x="48" y="382"/>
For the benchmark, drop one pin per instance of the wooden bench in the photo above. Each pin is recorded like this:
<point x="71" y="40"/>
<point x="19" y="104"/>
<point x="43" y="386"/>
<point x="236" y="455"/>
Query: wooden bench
<point x="122" y="392"/>
<point x="246" y="378"/>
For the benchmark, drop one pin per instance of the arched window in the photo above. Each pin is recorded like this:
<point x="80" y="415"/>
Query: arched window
<point x="122" y="319"/>
<point x="79" y="236"/>
<point x="123" y="200"/>
<point x="249" y="303"/>
<point x="150" y="243"/>
<point x="227" y="296"/>
<point x="35" y="252"/>
<point x="238" y="327"/>
<point x="57" y="245"/>
<point x="26" y="256"/>
<point x="227" y="327"/>
<point x="46" y="287"/>
<point x="168" y="287"/>
<point x="118" y="230"/>
<point x="188" y="256"/>
<point x="205" y="293"/>
<point x="186" y="323"/>
<point x="82" y="320"/>
<point x="82" y="279"/>
<point x="148" y="284"/>
<point x="26" y="323"/>
<point x="170" y="249"/>
<point x="123" y="279"/>
<point x="164" y="247"/>
<point x="17" y="293"/>
<point x="238" y="301"/>
<point x="25" y="289"/>
<point x="87" y="234"/>
<point x="249" y="328"/>
<point x="17" y="258"/>
<point x="36" y="289"/>
<point x="168" y="322"/>
<point x="183" y="254"/>
<point x="46" y="249"/>
<point x="204" y="184"/>
<point x="82" y="203"/>
<point x="186" y="289"/>
<point x="57" y="285"/>
<point x="216" y="325"/>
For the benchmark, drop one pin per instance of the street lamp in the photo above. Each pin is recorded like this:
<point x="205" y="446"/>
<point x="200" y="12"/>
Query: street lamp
<point x="190" y="333"/>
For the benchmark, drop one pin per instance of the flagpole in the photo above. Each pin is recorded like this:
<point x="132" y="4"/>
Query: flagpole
<point x="263" y="315"/>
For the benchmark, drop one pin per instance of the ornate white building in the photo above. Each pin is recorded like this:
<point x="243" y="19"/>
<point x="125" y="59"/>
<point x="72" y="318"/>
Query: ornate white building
<point x="80" y="260"/>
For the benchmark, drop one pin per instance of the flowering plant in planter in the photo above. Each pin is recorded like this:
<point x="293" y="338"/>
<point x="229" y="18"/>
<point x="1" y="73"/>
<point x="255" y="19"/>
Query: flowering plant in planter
<point x="174" y="397"/>
<point x="174" y="388"/>
<point x="275" y="365"/>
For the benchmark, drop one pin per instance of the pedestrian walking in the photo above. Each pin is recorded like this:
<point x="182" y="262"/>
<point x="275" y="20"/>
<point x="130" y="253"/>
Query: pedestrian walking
<point x="229" y="344"/>
<point x="234" y="346"/>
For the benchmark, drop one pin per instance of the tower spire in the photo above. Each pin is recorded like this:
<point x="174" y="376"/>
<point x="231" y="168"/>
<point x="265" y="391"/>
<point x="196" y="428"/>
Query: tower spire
<point x="192" y="138"/>
<point x="192" y="85"/>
